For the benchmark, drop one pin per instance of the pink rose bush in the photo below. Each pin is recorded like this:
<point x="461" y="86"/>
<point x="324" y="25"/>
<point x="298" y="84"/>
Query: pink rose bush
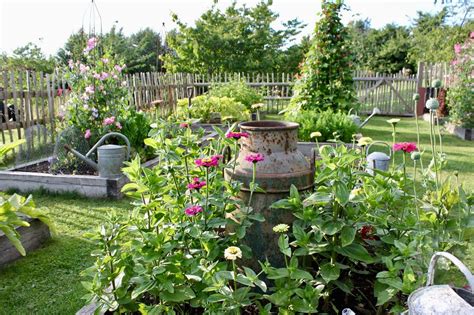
<point x="99" y="101"/>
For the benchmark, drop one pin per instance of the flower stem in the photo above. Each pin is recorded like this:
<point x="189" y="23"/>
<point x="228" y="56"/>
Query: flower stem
<point x="252" y="184"/>
<point x="393" y="140"/>
<point x="207" y="198"/>
<point x="415" y="195"/>
<point x="234" y="275"/>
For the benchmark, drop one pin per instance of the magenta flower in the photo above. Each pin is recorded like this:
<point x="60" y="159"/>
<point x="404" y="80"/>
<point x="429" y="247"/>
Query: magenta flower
<point x="236" y="135"/>
<point x="91" y="43"/>
<point x="109" y="121"/>
<point x="184" y="125"/>
<point x="254" y="158"/>
<point x="406" y="147"/>
<point x="209" y="161"/>
<point x="471" y="36"/>
<point x="87" y="134"/>
<point x="90" y="89"/>
<point x="457" y="48"/>
<point x="196" y="184"/>
<point x="193" y="210"/>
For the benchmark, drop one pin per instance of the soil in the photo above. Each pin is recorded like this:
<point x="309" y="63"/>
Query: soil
<point x="43" y="167"/>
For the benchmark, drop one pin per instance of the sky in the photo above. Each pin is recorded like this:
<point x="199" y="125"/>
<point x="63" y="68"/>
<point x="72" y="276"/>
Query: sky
<point x="48" y="23"/>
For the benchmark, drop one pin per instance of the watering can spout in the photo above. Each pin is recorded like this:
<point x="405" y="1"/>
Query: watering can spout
<point x="82" y="157"/>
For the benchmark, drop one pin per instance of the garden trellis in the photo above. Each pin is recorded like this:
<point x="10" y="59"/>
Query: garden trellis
<point x="39" y="99"/>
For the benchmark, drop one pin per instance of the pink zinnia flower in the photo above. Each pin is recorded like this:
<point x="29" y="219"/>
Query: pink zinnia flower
<point x="90" y="89"/>
<point x="196" y="184"/>
<point x="406" y="147"/>
<point x="254" y="158"/>
<point x="184" y="125"/>
<point x="87" y="134"/>
<point x="471" y="36"/>
<point x="91" y="43"/>
<point x="236" y="135"/>
<point x="457" y="48"/>
<point x="209" y="161"/>
<point x="193" y="210"/>
<point x="118" y="125"/>
<point x="109" y="121"/>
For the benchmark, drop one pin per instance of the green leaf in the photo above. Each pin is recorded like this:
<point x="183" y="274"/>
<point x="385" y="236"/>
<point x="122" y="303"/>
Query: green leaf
<point x="299" y="274"/>
<point x="357" y="252"/>
<point x="180" y="295"/>
<point x="341" y="193"/>
<point x="384" y="296"/>
<point x="318" y="198"/>
<point x="332" y="227"/>
<point x="347" y="235"/>
<point x="283" y="245"/>
<point x="329" y="272"/>
<point x="142" y="288"/>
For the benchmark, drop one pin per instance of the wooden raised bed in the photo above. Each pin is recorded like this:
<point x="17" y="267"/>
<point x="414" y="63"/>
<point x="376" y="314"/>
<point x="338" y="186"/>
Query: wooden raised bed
<point x="85" y="185"/>
<point x="463" y="133"/>
<point x="32" y="237"/>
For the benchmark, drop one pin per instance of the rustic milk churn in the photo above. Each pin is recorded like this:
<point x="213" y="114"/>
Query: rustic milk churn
<point x="442" y="299"/>
<point x="283" y="166"/>
<point x="378" y="160"/>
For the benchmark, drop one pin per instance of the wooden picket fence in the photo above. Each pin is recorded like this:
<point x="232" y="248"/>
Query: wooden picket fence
<point x="38" y="98"/>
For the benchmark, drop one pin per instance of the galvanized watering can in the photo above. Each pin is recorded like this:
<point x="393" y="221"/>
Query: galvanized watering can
<point x="110" y="157"/>
<point x="442" y="299"/>
<point x="378" y="160"/>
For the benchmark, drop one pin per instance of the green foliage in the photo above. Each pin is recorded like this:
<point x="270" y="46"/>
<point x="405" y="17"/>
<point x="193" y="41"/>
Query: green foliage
<point x="326" y="122"/>
<point x="14" y="208"/>
<point x="460" y="97"/>
<point x="326" y="74"/>
<point x="202" y="106"/>
<point x="238" y="39"/>
<point x="28" y="57"/>
<point x="238" y="90"/>
<point x="136" y="128"/>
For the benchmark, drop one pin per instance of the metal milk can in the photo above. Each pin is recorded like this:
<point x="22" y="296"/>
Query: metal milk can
<point x="378" y="160"/>
<point x="110" y="157"/>
<point x="283" y="166"/>
<point x="442" y="299"/>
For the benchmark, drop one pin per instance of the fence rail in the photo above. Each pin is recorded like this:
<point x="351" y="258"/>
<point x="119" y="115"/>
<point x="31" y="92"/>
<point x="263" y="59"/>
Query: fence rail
<point x="30" y="101"/>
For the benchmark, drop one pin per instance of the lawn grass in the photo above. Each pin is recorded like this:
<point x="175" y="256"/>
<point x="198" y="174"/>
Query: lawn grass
<point x="460" y="153"/>
<point x="47" y="281"/>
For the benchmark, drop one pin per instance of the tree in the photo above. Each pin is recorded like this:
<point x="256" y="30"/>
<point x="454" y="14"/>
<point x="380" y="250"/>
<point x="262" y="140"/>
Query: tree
<point x="28" y="57"/>
<point x="326" y="78"/>
<point x="145" y="50"/>
<point x="239" y="39"/>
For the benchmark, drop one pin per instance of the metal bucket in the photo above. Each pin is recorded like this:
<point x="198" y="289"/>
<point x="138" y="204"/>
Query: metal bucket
<point x="442" y="299"/>
<point x="283" y="166"/>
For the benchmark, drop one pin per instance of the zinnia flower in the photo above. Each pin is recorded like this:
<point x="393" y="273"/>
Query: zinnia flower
<point x="258" y="106"/>
<point x="184" y="125"/>
<point x="87" y="134"/>
<point x="109" y="121"/>
<point x="364" y="141"/>
<point x="393" y="121"/>
<point x="193" y="210"/>
<point x="196" y="184"/>
<point x="236" y="135"/>
<point x="406" y="147"/>
<point x="315" y="134"/>
<point x="232" y="253"/>
<point x="209" y="161"/>
<point x="366" y="232"/>
<point x="281" y="228"/>
<point x="254" y="158"/>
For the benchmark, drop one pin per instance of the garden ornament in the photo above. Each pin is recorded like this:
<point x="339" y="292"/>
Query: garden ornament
<point x="378" y="160"/>
<point x="442" y="299"/>
<point x="110" y="157"/>
<point x="355" y="118"/>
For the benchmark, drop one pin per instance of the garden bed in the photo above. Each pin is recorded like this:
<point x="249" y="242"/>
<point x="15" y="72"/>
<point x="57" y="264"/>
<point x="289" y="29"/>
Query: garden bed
<point x="85" y="185"/>
<point x="32" y="237"/>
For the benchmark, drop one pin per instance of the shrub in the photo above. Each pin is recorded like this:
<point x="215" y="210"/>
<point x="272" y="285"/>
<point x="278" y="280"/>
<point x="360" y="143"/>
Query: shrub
<point x="326" y="74"/>
<point x="238" y="90"/>
<point x="202" y="106"/>
<point x="326" y="122"/>
<point x="460" y="95"/>
<point x="136" y="128"/>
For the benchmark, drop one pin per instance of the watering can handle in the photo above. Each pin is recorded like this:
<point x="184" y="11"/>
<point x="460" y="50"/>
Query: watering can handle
<point x="102" y="140"/>
<point x="455" y="261"/>
<point x="384" y="143"/>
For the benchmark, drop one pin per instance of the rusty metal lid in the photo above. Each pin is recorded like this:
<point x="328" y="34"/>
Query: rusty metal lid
<point x="268" y="125"/>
